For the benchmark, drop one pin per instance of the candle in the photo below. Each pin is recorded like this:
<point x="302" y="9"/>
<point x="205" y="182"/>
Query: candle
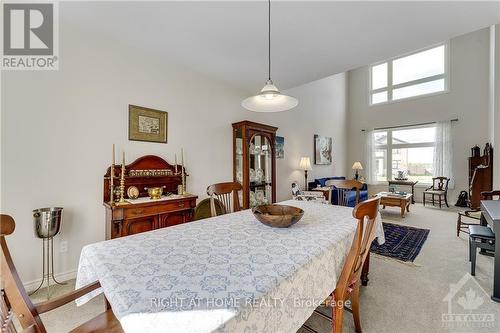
<point x="183" y="179"/>
<point x="175" y="162"/>
<point x="113" y="166"/>
<point x="182" y="162"/>
<point x="112" y="176"/>
<point x="123" y="165"/>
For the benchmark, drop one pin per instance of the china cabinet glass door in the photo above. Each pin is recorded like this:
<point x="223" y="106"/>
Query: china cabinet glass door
<point x="238" y="161"/>
<point x="260" y="164"/>
<point x="254" y="162"/>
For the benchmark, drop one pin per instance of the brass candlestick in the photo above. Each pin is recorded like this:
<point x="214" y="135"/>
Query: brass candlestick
<point x="184" y="192"/>
<point x="122" y="184"/>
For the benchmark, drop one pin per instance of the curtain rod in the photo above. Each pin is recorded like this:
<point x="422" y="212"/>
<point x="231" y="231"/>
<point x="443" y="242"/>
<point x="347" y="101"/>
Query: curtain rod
<point x="411" y="125"/>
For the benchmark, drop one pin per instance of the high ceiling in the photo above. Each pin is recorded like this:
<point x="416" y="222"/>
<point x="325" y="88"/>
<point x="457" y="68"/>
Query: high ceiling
<point x="310" y="40"/>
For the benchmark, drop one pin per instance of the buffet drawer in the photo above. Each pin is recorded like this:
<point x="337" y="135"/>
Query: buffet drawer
<point x="134" y="212"/>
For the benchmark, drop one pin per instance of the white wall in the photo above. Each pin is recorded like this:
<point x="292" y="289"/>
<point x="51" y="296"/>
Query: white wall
<point x="57" y="129"/>
<point x="466" y="100"/>
<point x="321" y="110"/>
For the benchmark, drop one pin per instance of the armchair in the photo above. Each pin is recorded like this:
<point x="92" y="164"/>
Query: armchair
<point x="438" y="188"/>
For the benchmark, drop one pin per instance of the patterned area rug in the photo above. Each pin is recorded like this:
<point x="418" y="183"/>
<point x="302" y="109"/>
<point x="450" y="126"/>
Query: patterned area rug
<point x="401" y="242"/>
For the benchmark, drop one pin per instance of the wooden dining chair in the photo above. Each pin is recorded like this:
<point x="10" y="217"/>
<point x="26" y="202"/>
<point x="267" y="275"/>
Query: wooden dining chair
<point x="438" y="188"/>
<point x="203" y="209"/>
<point x="474" y="214"/>
<point x="342" y="189"/>
<point x="14" y="301"/>
<point x="349" y="281"/>
<point x="227" y="195"/>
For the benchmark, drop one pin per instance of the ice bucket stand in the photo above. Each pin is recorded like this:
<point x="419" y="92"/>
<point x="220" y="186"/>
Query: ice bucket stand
<point x="47" y="223"/>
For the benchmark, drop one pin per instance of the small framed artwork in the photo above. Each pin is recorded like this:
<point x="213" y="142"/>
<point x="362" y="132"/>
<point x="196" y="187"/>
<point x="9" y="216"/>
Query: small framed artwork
<point x="322" y="150"/>
<point x="280" y="147"/>
<point x="146" y="124"/>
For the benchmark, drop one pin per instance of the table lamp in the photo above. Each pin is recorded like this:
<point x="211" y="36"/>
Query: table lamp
<point x="357" y="166"/>
<point x="305" y="164"/>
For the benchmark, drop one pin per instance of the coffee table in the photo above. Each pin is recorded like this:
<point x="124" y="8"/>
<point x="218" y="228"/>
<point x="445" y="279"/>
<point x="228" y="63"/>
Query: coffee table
<point x="393" y="200"/>
<point x="406" y="183"/>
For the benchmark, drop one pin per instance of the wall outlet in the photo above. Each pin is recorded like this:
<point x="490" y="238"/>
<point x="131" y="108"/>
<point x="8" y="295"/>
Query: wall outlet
<point x="63" y="246"/>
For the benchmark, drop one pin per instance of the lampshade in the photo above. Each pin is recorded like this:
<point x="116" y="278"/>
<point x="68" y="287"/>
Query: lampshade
<point x="357" y="166"/>
<point x="269" y="100"/>
<point x="305" y="163"/>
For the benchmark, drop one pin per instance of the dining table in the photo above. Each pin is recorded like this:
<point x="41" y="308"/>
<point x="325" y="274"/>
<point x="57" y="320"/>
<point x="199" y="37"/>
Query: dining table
<point x="228" y="273"/>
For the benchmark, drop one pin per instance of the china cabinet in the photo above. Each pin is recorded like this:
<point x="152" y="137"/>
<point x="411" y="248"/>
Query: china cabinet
<point x="254" y="162"/>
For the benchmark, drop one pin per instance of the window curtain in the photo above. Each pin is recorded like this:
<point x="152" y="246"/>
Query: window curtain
<point x="443" y="152"/>
<point x="370" y="167"/>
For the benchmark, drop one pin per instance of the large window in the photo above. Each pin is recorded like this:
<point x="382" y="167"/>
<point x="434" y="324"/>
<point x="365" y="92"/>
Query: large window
<point x="409" y="149"/>
<point x="421" y="73"/>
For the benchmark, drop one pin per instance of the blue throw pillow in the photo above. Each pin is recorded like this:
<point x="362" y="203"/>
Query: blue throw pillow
<point x="321" y="181"/>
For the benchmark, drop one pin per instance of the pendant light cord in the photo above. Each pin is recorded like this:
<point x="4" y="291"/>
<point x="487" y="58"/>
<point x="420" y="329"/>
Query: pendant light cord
<point x="269" y="40"/>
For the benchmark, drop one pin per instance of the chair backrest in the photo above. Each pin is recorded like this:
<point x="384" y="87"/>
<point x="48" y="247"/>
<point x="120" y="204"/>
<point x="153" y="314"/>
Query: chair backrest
<point x="203" y="209"/>
<point x="491" y="195"/>
<point x="227" y="194"/>
<point x="365" y="213"/>
<point x="440" y="183"/>
<point x="14" y="299"/>
<point x="342" y="189"/>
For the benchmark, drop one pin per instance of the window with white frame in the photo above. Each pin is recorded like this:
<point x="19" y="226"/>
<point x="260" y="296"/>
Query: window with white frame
<point x="407" y="149"/>
<point x="421" y="73"/>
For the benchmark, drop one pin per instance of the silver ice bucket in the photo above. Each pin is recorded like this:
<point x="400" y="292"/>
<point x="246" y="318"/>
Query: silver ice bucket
<point x="47" y="221"/>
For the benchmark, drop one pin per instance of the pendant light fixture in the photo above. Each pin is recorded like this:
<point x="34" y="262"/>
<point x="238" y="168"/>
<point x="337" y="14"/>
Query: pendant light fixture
<point x="269" y="99"/>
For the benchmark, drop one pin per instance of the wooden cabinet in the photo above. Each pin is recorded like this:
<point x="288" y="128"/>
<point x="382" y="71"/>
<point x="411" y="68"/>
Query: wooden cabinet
<point x="136" y="218"/>
<point x="254" y="162"/>
<point x="146" y="215"/>
<point x="168" y="220"/>
<point x="480" y="176"/>
<point x="135" y="226"/>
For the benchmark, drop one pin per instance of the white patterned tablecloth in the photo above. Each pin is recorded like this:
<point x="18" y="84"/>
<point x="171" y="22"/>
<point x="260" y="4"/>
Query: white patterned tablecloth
<point x="224" y="274"/>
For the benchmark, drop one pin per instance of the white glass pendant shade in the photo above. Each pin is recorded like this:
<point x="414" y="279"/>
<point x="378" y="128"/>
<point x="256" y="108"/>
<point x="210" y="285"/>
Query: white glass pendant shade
<point x="269" y="100"/>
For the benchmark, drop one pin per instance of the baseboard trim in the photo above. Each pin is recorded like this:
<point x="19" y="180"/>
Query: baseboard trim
<point x="64" y="276"/>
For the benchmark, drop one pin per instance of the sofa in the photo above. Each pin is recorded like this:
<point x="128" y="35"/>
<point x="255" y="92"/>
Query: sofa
<point x="351" y="199"/>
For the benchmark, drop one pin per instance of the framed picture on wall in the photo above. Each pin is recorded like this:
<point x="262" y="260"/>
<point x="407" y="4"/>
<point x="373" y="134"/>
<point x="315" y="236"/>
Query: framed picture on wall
<point x="146" y="124"/>
<point x="280" y="147"/>
<point x="322" y="150"/>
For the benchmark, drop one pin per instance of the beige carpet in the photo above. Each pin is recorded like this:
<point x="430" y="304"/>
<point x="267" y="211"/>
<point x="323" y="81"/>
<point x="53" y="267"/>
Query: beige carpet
<point x="399" y="297"/>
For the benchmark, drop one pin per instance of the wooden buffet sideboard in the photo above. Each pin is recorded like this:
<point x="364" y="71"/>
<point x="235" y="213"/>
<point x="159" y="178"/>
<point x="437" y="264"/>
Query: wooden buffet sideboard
<point x="145" y="214"/>
<point x="135" y="218"/>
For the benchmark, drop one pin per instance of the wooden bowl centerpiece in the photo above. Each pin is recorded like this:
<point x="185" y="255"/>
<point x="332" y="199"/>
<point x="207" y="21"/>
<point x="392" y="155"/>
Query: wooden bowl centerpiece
<point x="277" y="216"/>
